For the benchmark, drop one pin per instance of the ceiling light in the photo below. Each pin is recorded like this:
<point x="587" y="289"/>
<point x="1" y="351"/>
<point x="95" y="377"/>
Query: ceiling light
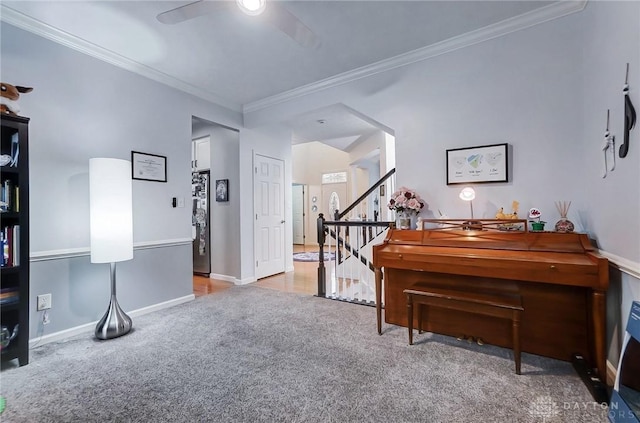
<point x="252" y="7"/>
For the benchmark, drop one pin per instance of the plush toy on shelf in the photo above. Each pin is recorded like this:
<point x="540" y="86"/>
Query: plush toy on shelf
<point x="9" y="95"/>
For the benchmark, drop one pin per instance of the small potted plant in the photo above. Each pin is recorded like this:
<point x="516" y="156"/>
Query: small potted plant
<point x="536" y="223"/>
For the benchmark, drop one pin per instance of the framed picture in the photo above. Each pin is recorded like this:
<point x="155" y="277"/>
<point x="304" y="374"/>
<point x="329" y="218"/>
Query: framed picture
<point x="487" y="163"/>
<point x="222" y="190"/>
<point x="148" y="167"/>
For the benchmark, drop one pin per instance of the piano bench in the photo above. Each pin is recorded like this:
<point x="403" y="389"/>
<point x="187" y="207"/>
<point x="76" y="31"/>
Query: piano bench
<point x="506" y="306"/>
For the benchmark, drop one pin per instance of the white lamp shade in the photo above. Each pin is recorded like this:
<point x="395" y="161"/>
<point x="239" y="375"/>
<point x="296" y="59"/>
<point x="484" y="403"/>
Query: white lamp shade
<point x="111" y="210"/>
<point x="467" y="194"/>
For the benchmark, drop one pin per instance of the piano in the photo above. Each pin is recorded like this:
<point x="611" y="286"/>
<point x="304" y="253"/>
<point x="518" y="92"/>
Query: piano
<point x="560" y="277"/>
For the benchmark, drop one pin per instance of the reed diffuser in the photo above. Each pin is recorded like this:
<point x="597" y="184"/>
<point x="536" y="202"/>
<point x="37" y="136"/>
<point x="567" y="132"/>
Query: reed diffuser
<point x="564" y="224"/>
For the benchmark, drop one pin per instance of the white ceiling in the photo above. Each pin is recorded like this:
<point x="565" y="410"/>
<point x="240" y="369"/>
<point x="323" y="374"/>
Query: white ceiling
<point x="240" y="61"/>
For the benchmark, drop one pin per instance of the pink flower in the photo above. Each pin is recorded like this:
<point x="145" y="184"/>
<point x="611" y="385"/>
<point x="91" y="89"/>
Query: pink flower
<point x="404" y="198"/>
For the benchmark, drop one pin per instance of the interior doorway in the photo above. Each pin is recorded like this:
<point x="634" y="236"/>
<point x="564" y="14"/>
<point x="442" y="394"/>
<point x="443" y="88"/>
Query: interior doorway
<point x="215" y="154"/>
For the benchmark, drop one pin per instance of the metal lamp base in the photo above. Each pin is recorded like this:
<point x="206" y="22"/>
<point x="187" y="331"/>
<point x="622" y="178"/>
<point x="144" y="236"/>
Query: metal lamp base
<point x="115" y="322"/>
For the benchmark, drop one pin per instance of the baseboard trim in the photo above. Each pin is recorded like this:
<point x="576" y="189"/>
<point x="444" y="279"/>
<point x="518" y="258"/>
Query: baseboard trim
<point x="627" y="266"/>
<point x="90" y="327"/>
<point x="612" y="372"/>
<point x="232" y="279"/>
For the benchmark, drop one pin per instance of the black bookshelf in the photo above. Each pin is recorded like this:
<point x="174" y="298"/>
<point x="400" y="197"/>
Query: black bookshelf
<point x="14" y="220"/>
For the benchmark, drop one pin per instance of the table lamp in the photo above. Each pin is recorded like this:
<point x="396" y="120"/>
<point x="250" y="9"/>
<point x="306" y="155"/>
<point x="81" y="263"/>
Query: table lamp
<point x="468" y="194"/>
<point x="111" y="227"/>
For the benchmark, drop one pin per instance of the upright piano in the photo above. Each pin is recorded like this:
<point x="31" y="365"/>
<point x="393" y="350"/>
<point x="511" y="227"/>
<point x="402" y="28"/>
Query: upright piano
<point x="559" y="276"/>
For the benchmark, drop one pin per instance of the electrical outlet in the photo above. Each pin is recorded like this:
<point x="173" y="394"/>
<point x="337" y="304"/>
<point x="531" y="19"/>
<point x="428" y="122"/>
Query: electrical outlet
<point x="44" y="302"/>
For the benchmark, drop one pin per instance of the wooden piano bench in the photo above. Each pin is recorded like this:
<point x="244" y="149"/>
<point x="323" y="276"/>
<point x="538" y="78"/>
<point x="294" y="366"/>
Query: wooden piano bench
<point x="506" y="306"/>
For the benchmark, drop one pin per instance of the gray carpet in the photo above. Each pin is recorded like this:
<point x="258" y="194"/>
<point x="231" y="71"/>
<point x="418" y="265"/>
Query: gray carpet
<point x="251" y="354"/>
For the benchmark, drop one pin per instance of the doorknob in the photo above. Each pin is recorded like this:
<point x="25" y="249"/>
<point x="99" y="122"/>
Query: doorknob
<point x="282" y="221"/>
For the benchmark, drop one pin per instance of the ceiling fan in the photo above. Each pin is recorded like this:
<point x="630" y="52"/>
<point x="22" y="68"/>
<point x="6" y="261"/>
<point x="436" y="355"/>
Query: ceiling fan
<point x="276" y="14"/>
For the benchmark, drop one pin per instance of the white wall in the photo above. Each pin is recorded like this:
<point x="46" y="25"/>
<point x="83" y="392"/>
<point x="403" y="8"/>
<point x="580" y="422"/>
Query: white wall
<point x="82" y="108"/>
<point x="611" y="39"/>
<point x="545" y="91"/>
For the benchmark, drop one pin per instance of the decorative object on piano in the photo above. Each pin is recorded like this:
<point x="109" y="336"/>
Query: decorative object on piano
<point x="629" y="116"/>
<point x="514" y="215"/>
<point x="536" y="223"/>
<point x="468" y="194"/>
<point x="609" y="145"/>
<point x="487" y="163"/>
<point x="407" y="204"/>
<point x="501" y="215"/>
<point x="564" y="224"/>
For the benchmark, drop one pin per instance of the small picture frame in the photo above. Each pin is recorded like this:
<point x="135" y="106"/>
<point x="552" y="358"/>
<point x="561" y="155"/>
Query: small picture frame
<point x="148" y="167"/>
<point x="482" y="164"/>
<point x="222" y="190"/>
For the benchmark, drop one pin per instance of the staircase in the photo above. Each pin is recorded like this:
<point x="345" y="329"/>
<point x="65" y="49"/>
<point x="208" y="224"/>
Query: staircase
<point x="351" y="237"/>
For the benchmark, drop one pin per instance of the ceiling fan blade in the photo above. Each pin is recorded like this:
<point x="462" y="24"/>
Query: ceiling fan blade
<point x="289" y="23"/>
<point x="190" y="11"/>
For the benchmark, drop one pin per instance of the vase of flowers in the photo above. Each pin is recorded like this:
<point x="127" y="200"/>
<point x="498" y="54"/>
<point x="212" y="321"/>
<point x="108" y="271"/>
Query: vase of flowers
<point x="407" y="204"/>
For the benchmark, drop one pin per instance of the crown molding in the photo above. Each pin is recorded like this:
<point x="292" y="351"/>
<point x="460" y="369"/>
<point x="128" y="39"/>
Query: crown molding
<point x="535" y="17"/>
<point x="507" y="26"/>
<point x="20" y="20"/>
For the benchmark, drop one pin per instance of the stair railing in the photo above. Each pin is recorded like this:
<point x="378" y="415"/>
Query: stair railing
<point x="347" y="245"/>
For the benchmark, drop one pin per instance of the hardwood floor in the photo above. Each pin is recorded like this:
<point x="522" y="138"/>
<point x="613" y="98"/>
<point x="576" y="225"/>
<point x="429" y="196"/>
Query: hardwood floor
<point x="303" y="280"/>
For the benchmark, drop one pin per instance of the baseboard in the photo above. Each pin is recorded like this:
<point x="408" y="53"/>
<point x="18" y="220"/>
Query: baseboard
<point x="232" y="279"/>
<point x="612" y="372"/>
<point x="90" y="327"/>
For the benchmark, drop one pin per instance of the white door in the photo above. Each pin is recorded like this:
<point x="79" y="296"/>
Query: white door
<point x="270" y="219"/>
<point x="298" y="214"/>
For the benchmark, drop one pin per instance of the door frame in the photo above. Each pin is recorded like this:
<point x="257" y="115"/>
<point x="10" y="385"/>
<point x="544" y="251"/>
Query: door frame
<point x="302" y="210"/>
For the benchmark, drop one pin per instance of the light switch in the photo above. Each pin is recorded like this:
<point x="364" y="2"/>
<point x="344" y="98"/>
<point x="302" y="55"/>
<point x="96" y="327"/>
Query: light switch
<point x="181" y="202"/>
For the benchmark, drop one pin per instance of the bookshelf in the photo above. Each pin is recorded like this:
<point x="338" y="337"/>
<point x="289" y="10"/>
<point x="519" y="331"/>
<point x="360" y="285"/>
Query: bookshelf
<point x="14" y="239"/>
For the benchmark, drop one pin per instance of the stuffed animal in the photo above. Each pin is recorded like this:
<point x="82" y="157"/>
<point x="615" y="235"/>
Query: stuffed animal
<point x="502" y="215"/>
<point x="9" y="95"/>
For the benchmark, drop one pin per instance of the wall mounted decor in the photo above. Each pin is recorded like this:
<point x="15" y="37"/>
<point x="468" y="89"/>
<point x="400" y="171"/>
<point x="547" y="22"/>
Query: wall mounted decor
<point x="629" y="117"/>
<point x="487" y="163"/>
<point x="148" y="167"/>
<point x="222" y="190"/>
<point x="608" y="147"/>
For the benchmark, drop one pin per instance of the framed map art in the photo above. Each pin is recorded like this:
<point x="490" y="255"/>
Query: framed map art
<point x="487" y="163"/>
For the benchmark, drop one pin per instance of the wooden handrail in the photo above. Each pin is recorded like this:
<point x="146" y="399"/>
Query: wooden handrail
<point x="363" y="196"/>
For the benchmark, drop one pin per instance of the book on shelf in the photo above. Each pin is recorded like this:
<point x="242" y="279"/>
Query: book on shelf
<point x="15" y="150"/>
<point x="10" y="241"/>
<point x="9" y="296"/>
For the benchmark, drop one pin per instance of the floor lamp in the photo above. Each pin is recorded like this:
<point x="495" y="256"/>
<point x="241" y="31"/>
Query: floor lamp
<point x="111" y="222"/>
